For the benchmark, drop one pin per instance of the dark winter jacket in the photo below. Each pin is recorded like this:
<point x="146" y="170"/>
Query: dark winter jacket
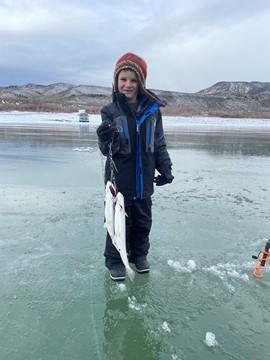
<point x="138" y="149"/>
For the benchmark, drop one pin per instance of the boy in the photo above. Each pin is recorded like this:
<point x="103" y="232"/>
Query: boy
<point x="132" y="128"/>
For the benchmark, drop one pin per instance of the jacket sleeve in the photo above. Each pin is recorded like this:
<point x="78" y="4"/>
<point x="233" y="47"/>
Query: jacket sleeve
<point x="104" y="145"/>
<point x="163" y="162"/>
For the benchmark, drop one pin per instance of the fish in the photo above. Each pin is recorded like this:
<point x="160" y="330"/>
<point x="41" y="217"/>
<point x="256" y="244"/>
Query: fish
<point x="119" y="238"/>
<point x="110" y="199"/>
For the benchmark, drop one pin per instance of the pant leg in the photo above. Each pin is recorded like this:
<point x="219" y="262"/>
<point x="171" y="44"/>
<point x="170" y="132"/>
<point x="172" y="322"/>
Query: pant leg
<point x="141" y="225"/>
<point x="111" y="254"/>
<point x="138" y="226"/>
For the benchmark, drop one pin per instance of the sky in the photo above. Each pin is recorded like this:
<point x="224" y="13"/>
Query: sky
<point x="188" y="45"/>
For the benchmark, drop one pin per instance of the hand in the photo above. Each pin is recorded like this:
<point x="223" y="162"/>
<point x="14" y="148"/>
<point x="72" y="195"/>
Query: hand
<point x="163" y="179"/>
<point x="106" y="130"/>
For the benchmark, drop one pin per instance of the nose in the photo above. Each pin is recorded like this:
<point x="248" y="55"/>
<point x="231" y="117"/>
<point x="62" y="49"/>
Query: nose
<point x="128" y="83"/>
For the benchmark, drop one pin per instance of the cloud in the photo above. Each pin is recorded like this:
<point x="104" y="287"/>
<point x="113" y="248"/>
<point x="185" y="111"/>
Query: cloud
<point x="204" y="45"/>
<point x="188" y="45"/>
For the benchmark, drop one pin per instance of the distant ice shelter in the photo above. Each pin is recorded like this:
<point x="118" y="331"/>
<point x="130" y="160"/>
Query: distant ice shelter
<point x="83" y="116"/>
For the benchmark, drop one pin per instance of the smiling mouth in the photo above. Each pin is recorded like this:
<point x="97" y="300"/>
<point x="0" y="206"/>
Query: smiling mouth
<point x="128" y="92"/>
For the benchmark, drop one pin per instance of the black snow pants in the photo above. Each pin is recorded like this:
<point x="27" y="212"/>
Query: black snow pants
<point x="138" y="226"/>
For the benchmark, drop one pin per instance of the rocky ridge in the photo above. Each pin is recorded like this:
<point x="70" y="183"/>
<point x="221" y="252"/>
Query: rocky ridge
<point x="226" y="99"/>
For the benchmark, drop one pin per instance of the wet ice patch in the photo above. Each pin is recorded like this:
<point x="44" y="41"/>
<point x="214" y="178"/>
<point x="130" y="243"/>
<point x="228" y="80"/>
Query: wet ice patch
<point x="189" y="267"/>
<point x="134" y="305"/>
<point x="210" y="339"/>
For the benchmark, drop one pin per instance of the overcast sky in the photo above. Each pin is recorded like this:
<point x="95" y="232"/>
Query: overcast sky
<point x="187" y="44"/>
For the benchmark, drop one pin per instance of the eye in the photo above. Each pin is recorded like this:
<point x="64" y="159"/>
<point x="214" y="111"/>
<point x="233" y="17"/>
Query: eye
<point x="123" y="78"/>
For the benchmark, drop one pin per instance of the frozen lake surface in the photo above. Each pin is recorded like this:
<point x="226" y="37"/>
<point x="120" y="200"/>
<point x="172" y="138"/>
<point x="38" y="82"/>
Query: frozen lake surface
<point x="15" y="118"/>
<point x="199" y="301"/>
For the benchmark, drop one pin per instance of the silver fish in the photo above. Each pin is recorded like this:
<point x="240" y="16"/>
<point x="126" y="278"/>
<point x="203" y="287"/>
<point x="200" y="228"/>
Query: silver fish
<point x="110" y="199"/>
<point x="119" y="238"/>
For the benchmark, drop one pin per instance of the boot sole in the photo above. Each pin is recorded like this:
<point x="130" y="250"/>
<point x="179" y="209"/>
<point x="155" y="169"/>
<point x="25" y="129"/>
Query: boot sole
<point x="142" y="271"/>
<point x="117" y="278"/>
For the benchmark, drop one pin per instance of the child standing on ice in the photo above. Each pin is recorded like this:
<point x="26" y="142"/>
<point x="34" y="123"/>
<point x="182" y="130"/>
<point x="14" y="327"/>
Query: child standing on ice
<point x="132" y="127"/>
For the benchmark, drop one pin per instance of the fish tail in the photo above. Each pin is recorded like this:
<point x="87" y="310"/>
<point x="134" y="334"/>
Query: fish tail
<point x="130" y="273"/>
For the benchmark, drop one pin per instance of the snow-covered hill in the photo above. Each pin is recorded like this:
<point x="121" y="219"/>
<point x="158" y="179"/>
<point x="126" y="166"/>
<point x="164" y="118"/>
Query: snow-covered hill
<point x="226" y="99"/>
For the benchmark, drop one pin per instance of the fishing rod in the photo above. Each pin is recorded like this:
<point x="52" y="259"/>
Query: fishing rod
<point x="262" y="258"/>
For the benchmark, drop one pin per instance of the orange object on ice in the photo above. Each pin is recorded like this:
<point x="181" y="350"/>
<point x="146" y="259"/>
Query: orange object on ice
<point x="262" y="259"/>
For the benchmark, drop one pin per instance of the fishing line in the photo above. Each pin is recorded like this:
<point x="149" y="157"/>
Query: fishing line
<point x="113" y="168"/>
<point x="102" y="163"/>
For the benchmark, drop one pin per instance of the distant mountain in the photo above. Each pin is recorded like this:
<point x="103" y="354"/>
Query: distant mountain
<point x="226" y="99"/>
<point x="253" y="90"/>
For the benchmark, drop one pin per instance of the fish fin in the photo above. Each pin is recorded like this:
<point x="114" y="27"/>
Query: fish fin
<point x="130" y="273"/>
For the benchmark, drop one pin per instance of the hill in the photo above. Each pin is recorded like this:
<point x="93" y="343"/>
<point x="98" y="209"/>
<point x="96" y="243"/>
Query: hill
<point x="225" y="99"/>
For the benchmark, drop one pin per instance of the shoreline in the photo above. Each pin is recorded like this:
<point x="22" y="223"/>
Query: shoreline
<point x="39" y="124"/>
<point x="164" y="115"/>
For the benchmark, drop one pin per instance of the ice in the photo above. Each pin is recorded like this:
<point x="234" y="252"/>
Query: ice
<point x="189" y="267"/>
<point x="210" y="339"/>
<point x="122" y="287"/>
<point x="236" y="275"/>
<point x="165" y="327"/>
<point x="228" y="270"/>
<point x="83" y="149"/>
<point x="134" y="305"/>
<point x="231" y="288"/>
<point x="209" y="124"/>
<point x="186" y="123"/>
<point x="52" y="243"/>
<point x="27" y="117"/>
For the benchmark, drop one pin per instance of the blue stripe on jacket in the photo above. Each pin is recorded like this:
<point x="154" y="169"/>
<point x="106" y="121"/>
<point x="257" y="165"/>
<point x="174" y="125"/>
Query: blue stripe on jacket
<point x="139" y="171"/>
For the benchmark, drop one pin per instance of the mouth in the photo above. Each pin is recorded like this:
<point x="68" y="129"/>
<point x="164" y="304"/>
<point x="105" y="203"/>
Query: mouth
<point x="128" y="93"/>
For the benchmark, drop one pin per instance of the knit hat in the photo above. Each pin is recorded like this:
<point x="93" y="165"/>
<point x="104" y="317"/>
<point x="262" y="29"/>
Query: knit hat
<point x="130" y="61"/>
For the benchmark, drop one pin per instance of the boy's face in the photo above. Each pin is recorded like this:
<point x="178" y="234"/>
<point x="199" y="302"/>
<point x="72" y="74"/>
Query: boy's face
<point x="128" y="84"/>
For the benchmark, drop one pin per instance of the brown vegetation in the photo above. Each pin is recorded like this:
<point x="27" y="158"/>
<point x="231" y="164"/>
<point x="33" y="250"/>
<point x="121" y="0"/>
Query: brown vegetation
<point x="224" y="99"/>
